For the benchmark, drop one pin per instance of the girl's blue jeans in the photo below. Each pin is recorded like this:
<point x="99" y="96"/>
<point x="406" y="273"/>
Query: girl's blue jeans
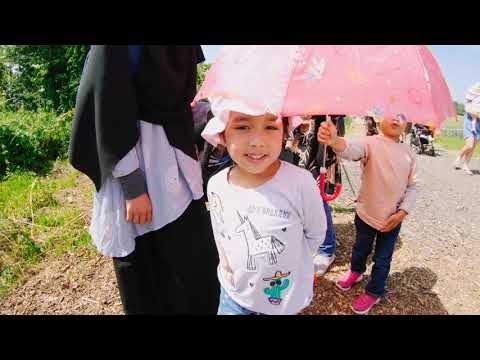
<point x="382" y="257"/>
<point x="330" y="243"/>
<point x="228" y="306"/>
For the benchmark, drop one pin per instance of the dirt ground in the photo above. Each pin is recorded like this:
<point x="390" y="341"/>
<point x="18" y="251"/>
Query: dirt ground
<point x="434" y="269"/>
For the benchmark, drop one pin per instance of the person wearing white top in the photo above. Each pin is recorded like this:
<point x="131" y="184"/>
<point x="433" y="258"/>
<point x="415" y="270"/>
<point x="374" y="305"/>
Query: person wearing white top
<point x="267" y="216"/>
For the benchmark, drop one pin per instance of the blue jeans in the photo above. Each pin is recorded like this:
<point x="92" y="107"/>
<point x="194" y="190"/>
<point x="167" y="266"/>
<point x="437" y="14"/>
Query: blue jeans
<point x="330" y="243"/>
<point x="228" y="306"/>
<point x="385" y="243"/>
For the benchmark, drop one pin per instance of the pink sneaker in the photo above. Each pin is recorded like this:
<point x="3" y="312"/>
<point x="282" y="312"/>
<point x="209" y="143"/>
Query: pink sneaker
<point x="364" y="303"/>
<point x="348" y="280"/>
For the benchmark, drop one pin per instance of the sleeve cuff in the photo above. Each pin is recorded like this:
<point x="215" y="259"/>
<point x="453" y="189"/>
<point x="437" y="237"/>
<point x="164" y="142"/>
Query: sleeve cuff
<point x="127" y="164"/>
<point x="133" y="184"/>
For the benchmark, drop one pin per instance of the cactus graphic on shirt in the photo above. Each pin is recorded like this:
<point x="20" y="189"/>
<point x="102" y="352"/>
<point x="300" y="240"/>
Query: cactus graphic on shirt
<point x="277" y="285"/>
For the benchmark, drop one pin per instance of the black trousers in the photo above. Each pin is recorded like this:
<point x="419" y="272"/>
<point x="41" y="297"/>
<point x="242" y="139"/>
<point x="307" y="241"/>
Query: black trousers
<point x="172" y="270"/>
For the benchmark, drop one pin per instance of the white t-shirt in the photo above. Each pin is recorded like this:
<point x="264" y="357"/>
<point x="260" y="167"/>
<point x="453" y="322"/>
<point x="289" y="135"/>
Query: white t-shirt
<point x="266" y="237"/>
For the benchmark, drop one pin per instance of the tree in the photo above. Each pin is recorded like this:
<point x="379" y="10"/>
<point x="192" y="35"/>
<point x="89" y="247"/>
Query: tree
<point x="46" y="77"/>
<point x="4" y="76"/>
<point x="43" y="77"/>
<point x="460" y="108"/>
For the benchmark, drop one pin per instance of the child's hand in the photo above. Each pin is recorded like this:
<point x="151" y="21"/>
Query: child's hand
<point x="327" y="133"/>
<point x="393" y="221"/>
<point x="139" y="210"/>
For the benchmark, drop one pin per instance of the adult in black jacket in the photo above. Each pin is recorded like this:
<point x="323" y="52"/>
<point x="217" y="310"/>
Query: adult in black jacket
<point x="133" y="136"/>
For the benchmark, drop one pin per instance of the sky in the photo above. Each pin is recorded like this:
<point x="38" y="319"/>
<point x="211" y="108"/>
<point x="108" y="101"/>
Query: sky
<point x="460" y="65"/>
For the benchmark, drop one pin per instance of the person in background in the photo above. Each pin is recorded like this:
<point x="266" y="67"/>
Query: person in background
<point x="471" y="129"/>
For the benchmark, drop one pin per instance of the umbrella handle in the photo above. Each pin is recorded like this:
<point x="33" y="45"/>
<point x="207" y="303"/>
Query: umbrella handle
<point x="326" y="197"/>
<point x="323" y="174"/>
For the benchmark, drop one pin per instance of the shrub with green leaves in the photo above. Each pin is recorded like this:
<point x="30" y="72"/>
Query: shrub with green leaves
<point x="32" y="141"/>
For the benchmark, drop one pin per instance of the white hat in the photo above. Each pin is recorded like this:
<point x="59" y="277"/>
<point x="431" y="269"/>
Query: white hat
<point x="221" y="108"/>
<point x="473" y="92"/>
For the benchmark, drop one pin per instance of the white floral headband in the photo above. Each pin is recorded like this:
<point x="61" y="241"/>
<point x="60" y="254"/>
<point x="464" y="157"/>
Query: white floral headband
<point x="221" y="108"/>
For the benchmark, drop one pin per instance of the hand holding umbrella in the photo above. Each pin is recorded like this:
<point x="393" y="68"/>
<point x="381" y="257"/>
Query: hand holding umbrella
<point x="327" y="135"/>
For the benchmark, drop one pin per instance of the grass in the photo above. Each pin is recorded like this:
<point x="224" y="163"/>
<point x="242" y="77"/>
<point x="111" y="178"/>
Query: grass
<point x="451" y="142"/>
<point x="454" y="143"/>
<point x="36" y="220"/>
<point x="454" y="124"/>
<point x="338" y="209"/>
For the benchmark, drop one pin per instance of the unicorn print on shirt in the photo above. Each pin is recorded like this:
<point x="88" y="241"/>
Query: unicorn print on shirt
<point x="258" y="244"/>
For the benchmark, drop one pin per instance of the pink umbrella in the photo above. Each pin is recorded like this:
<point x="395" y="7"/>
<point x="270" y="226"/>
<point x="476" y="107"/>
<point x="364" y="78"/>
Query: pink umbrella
<point x="375" y="80"/>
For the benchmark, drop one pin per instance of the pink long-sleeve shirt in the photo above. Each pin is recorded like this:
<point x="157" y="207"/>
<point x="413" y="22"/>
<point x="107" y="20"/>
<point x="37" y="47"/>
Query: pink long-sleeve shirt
<point x="388" y="177"/>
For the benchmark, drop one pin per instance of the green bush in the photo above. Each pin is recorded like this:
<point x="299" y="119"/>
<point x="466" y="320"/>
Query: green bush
<point x="46" y="79"/>
<point x="202" y="70"/>
<point x="32" y="141"/>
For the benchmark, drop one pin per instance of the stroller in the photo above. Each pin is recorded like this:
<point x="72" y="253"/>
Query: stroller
<point x="421" y="139"/>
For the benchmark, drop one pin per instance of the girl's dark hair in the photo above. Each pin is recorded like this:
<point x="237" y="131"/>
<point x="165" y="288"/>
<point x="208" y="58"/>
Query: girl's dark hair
<point x="285" y="126"/>
<point x="285" y="132"/>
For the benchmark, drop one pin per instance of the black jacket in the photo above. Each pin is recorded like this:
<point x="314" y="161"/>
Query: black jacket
<point x="111" y="100"/>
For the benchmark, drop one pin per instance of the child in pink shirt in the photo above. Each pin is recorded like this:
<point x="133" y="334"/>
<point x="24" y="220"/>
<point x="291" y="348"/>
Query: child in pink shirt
<point x="387" y="195"/>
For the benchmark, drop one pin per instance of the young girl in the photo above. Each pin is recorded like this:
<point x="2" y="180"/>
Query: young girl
<point x="267" y="216"/>
<point x="386" y="197"/>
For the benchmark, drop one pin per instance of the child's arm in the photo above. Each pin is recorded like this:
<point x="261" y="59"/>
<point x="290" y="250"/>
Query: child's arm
<point x="218" y="236"/>
<point x="408" y="202"/>
<point x="349" y="150"/>
<point x="353" y="150"/>
<point x="315" y="221"/>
